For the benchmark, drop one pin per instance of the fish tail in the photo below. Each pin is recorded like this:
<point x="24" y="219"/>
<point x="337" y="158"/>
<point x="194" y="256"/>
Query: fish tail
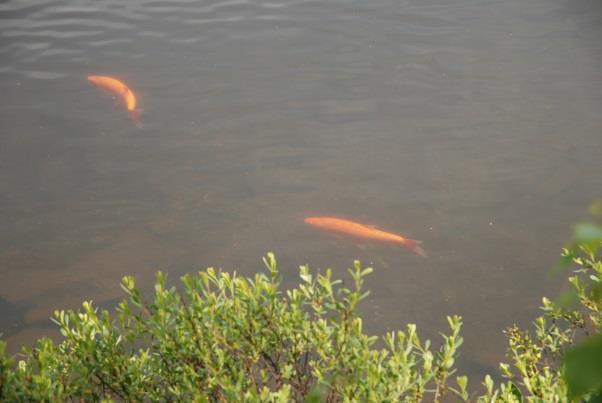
<point x="414" y="245"/>
<point x="135" y="115"/>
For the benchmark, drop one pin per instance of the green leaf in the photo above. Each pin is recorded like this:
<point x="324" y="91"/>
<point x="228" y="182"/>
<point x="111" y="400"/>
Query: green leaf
<point x="462" y="382"/>
<point x="367" y="271"/>
<point x="516" y="392"/>
<point x="583" y="367"/>
<point x="488" y="383"/>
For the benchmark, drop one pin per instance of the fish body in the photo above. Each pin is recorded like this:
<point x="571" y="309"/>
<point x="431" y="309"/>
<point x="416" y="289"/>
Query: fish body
<point x="363" y="231"/>
<point x="118" y="87"/>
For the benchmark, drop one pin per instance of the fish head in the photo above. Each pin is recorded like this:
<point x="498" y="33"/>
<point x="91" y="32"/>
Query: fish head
<point x="316" y="221"/>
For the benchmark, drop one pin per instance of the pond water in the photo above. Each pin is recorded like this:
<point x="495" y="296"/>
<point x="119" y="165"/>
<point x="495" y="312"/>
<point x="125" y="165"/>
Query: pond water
<point x="474" y="126"/>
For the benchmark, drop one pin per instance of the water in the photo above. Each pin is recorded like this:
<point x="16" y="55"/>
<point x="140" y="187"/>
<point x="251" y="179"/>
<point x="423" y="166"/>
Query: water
<point x="474" y="126"/>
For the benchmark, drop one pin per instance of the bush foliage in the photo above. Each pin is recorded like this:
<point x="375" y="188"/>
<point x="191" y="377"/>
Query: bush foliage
<point x="222" y="337"/>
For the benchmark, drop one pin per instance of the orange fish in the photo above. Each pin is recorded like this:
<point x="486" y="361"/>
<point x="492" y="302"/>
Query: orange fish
<point x="363" y="231"/>
<point x="118" y="87"/>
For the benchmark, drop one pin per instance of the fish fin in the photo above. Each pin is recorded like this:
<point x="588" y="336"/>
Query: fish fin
<point x="414" y="245"/>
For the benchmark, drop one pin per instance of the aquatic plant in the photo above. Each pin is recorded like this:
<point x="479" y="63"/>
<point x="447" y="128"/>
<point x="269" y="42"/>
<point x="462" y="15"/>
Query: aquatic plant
<point x="222" y="337"/>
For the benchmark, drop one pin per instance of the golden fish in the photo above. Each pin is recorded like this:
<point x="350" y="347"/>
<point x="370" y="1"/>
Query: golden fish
<point x="364" y="231"/>
<point x="118" y="87"/>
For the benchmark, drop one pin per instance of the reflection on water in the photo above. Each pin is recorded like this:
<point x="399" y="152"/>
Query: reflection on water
<point x="473" y="126"/>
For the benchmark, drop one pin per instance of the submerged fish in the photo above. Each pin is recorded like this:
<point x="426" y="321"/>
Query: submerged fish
<point x="363" y="231"/>
<point x="118" y="87"/>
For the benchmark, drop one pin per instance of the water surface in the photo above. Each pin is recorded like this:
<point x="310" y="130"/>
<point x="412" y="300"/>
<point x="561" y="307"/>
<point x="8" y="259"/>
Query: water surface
<point x="472" y="125"/>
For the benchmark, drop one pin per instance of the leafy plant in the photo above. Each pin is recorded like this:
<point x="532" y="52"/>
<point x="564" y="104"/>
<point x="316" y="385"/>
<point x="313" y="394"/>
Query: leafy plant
<point x="583" y="363"/>
<point x="228" y="338"/>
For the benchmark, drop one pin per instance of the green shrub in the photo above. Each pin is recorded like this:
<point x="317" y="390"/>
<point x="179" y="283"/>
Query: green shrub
<point x="228" y="338"/>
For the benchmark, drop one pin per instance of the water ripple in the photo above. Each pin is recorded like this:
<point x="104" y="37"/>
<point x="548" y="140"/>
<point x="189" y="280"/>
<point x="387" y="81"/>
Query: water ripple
<point x="64" y="35"/>
<point x="17" y="9"/>
<point x="66" y="23"/>
<point x="43" y="75"/>
<point x="108" y="42"/>
<point x="49" y="33"/>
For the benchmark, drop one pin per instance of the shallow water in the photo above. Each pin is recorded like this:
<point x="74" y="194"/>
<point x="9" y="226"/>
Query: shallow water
<point x="474" y="126"/>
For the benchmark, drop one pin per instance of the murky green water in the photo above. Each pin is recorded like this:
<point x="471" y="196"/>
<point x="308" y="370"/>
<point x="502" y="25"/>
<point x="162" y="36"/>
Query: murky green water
<point x="472" y="125"/>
